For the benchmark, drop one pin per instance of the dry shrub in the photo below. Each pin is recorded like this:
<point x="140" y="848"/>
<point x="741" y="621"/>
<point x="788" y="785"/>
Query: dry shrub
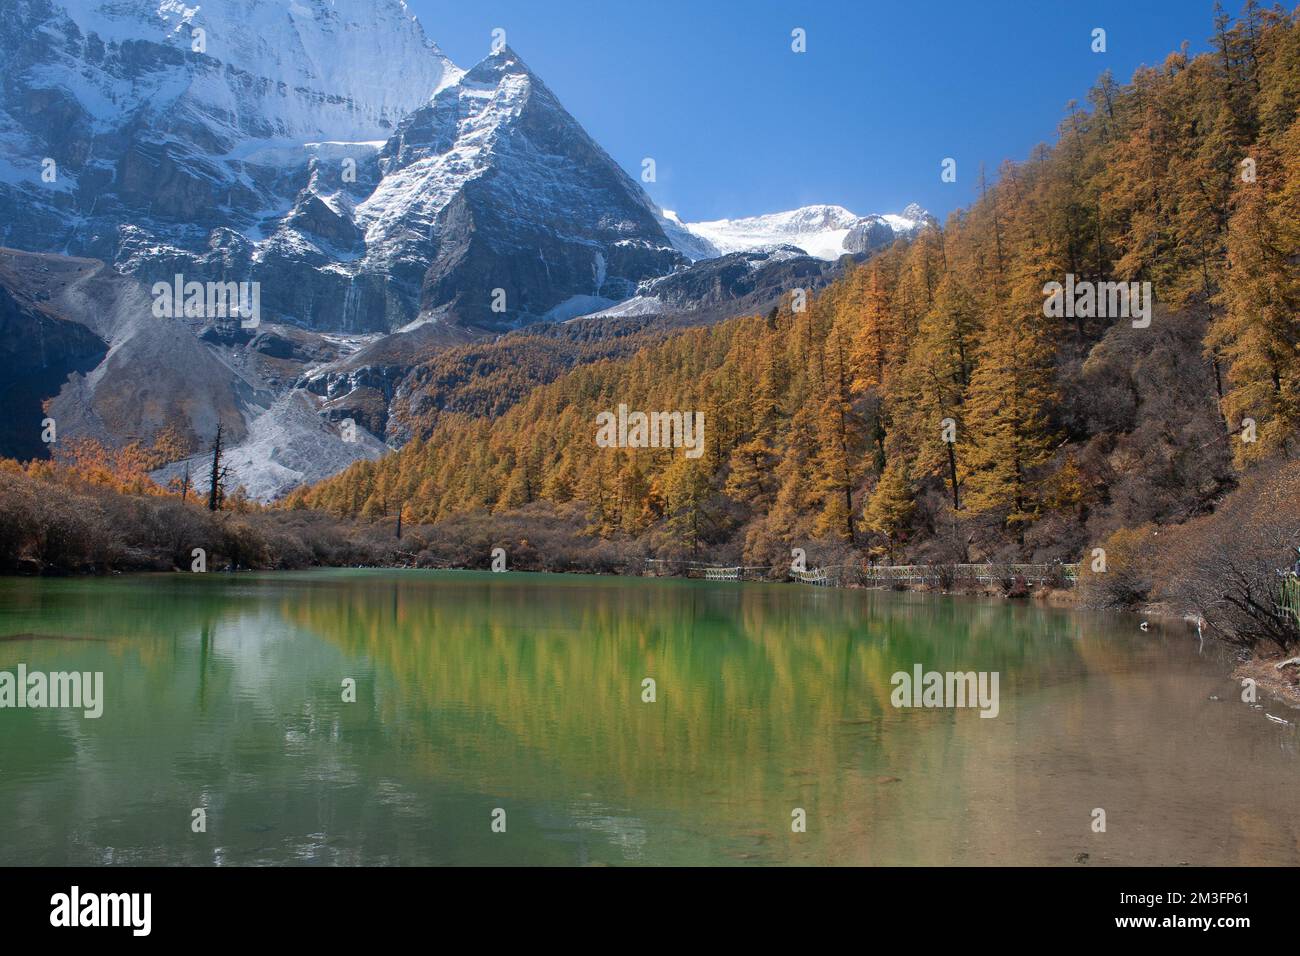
<point x="1129" y="572"/>
<point x="1225" y="567"/>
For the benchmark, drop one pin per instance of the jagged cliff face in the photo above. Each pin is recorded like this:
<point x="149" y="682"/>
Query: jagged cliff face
<point x="494" y="186"/>
<point x="324" y="148"/>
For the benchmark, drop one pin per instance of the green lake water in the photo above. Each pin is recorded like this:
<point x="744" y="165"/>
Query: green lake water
<point x="477" y="692"/>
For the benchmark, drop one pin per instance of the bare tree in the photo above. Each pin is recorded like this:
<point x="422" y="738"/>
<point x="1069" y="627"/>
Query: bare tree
<point x="217" y="482"/>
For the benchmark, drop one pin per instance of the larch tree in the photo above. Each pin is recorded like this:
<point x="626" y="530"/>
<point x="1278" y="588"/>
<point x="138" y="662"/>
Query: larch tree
<point x="1009" y="402"/>
<point x="1258" y="333"/>
<point x="890" y="506"/>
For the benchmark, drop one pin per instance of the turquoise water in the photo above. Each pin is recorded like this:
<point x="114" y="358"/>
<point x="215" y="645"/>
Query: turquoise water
<point x="477" y="693"/>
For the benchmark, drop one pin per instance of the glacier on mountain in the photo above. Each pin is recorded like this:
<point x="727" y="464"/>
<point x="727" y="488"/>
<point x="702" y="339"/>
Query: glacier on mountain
<point x="822" y="231"/>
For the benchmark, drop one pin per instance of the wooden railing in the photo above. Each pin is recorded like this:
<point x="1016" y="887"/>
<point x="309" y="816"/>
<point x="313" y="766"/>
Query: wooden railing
<point x="987" y="573"/>
<point x="902" y="573"/>
<point x="817" y="576"/>
<point x="878" y="575"/>
<point x="1289" y="602"/>
<point x="709" y="572"/>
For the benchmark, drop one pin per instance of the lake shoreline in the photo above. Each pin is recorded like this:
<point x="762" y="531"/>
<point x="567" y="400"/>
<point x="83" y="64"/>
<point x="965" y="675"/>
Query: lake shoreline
<point x="1263" y="670"/>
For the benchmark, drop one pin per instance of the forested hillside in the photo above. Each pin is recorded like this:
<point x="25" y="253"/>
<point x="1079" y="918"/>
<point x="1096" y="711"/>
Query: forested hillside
<point x="924" y="406"/>
<point x="485" y="379"/>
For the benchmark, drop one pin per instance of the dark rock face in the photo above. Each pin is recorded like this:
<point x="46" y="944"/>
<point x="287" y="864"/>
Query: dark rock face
<point x="39" y="349"/>
<point x="313" y="217"/>
<point x="366" y="406"/>
<point x="868" y="235"/>
<point x="715" y="289"/>
<point x="737" y="278"/>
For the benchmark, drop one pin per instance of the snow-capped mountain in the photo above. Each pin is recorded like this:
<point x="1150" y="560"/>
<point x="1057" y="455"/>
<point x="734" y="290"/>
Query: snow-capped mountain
<point x="494" y="186"/>
<point x="323" y="148"/>
<point x="386" y="203"/>
<point x="826" y="232"/>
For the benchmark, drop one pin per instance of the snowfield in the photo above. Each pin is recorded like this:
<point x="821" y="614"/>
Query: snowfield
<point x="817" y="230"/>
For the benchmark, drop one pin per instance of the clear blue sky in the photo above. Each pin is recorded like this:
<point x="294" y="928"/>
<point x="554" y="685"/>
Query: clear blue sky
<point x="739" y="124"/>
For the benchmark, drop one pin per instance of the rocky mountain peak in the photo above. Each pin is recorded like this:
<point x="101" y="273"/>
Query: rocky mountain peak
<point x="503" y="62"/>
<point x="916" y="213"/>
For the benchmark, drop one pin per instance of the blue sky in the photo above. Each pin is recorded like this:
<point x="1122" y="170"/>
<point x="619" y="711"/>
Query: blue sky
<point x="738" y="124"/>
